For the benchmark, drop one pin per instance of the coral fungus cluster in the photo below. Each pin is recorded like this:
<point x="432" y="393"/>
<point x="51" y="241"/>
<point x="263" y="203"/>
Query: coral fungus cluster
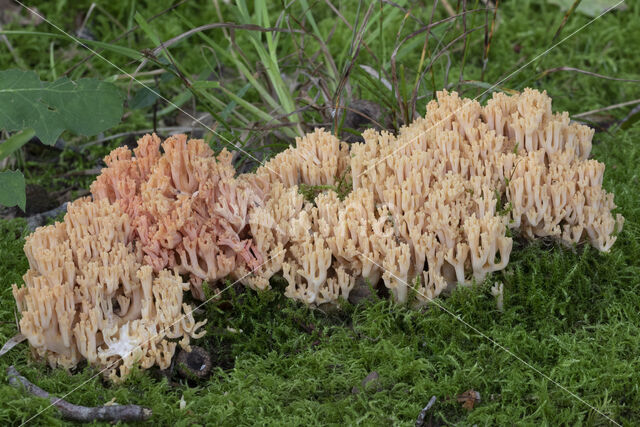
<point x="429" y="208"/>
<point x="88" y="296"/>
<point x="187" y="209"/>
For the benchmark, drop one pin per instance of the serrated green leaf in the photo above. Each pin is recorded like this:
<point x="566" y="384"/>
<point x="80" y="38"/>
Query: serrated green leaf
<point x="85" y="107"/>
<point x="12" y="189"/>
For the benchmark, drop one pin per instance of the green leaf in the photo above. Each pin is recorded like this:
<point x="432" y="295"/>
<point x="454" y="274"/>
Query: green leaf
<point x="143" y="98"/>
<point x="16" y="141"/>
<point x="85" y="107"/>
<point x="12" y="189"/>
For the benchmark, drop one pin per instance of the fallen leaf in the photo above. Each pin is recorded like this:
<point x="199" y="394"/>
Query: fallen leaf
<point x="468" y="399"/>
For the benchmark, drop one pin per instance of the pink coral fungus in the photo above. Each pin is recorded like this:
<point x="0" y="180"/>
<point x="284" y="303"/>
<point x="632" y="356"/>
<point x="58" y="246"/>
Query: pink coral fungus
<point x="188" y="210"/>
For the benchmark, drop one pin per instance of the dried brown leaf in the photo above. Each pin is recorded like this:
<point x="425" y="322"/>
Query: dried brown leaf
<point x="469" y="399"/>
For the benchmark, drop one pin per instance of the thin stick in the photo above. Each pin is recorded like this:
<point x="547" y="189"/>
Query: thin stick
<point x="81" y="413"/>
<point x="610" y="107"/>
<point x="573" y="7"/>
<point x="448" y="7"/>
<point x="423" y="413"/>
<point x="6" y="41"/>
<point x="589" y="73"/>
<point x="161" y="130"/>
<point x="39" y="219"/>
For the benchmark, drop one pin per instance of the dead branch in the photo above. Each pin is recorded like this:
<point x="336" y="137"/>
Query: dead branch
<point x="423" y="414"/>
<point x="81" y="413"/>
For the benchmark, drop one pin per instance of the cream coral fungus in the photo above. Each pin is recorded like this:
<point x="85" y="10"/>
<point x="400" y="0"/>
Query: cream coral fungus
<point x="87" y="295"/>
<point x="317" y="159"/>
<point x="430" y="208"/>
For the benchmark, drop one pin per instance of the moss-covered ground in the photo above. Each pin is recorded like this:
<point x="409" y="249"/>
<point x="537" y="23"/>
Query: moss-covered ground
<point x="571" y="315"/>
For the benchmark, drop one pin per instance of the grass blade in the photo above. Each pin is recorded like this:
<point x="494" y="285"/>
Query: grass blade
<point x="16" y="141"/>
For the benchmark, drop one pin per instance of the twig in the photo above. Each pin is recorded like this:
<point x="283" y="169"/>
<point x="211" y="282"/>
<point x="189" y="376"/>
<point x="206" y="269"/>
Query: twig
<point x="589" y="73"/>
<point x="425" y="49"/>
<point x="37" y="220"/>
<point x="610" y="107"/>
<point x="81" y="413"/>
<point x="448" y="7"/>
<point x="348" y="24"/>
<point x="635" y="110"/>
<point x="423" y="413"/>
<point x="85" y="172"/>
<point x="373" y="73"/>
<point x="488" y="39"/>
<point x="176" y="129"/>
<point x="155" y="106"/>
<point x="6" y="41"/>
<point x="354" y="50"/>
<point x="12" y="342"/>
<point x="86" y="19"/>
<point x="573" y="7"/>
<point x="141" y="74"/>
<point x="433" y="58"/>
<point x="464" y="42"/>
<point x="152" y="54"/>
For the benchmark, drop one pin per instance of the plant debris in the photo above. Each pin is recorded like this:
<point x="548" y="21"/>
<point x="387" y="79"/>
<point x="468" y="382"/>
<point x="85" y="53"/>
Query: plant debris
<point x="469" y="399"/>
<point x="12" y="342"/>
<point x="423" y="413"/>
<point x="81" y="413"/>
